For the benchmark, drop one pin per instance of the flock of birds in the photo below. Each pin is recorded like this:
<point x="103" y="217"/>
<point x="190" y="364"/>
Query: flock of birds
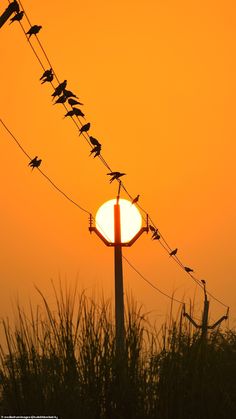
<point x="66" y="96"/>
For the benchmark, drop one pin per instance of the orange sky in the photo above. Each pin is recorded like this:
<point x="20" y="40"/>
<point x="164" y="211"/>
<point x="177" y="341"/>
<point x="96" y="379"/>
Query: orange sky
<point x="157" y="79"/>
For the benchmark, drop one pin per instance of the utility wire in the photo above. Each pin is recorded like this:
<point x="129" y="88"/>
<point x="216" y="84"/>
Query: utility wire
<point x="87" y="212"/>
<point x="150" y="283"/>
<point x="44" y="174"/>
<point x="162" y="240"/>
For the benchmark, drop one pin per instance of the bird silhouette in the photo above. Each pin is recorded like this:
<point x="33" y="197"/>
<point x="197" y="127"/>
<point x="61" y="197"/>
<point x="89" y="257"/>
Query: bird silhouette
<point x="203" y="281"/>
<point x="115" y="175"/>
<point x="33" y="30"/>
<point x="61" y="99"/>
<point x="73" y="102"/>
<point x="84" y="128"/>
<point x="16" y="6"/>
<point x="46" y="73"/>
<point x="69" y="113"/>
<point x="187" y="269"/>
<point x="17" y="17"/>
<point x="68" y="94"/>
<point x="78" y="112"/>
<point x="153" y="229"/>
<point x="173" y="252"/>
<point x="156" y="235"/>
<point x="48" y="78"/>
<point x="135" y="199"/>
<point x="96" y="150"/>
<point x="35" y="162"/>
<point x="94" y="141"/>
<point x="59" y="89"/>
<point x="74" y="111"/>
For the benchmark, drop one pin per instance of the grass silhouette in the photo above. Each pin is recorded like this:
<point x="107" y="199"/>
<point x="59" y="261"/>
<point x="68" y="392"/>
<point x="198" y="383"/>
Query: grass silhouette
<point x="63" y="362"/>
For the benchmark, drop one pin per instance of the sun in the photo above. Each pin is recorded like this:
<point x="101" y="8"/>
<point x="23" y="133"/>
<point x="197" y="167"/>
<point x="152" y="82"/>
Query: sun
<point x="130" y="220"/>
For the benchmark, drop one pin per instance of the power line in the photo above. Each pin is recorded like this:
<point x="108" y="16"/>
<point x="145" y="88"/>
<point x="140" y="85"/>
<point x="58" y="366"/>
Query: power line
<point x="90" y="214"/>
<point x="162" y="240"/>
<point x="44" y="174"/>
<point x="87" y="212"/>
<point x="150" y="283"/>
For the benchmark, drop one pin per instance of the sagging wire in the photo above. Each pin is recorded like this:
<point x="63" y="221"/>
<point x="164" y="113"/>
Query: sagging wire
<point x="162" y="240"/>
<point x="87" y="212"/>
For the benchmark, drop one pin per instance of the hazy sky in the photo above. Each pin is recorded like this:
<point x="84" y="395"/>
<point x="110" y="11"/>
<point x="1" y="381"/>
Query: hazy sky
<point x="157" y="79"/>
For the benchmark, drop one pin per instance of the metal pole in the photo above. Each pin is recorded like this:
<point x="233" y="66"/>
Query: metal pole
<point x="119" y="296"/>
<point x="205" y="314"/>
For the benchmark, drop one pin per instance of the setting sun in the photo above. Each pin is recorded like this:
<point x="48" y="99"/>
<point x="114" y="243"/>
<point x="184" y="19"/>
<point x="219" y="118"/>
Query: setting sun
<point x="131" y="220"/>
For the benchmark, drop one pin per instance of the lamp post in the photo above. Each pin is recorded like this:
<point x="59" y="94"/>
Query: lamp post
<point x="119" y="294"/>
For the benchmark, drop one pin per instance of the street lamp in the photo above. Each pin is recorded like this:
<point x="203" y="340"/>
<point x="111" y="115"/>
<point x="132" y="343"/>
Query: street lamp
<point x="114" y="226"/>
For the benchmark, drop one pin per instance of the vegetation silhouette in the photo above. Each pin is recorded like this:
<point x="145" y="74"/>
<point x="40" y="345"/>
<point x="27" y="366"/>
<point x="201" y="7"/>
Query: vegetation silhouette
<point x="63" y="362"/>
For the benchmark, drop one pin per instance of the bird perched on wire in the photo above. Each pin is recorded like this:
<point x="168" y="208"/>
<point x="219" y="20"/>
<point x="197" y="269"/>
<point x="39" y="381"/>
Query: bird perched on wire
<point x="115" y="175"/>
<point x="18" y="16"/>
<point x="96" y="150"/>
<point x="84" y="128"/>
<point x="74" y="111"/>
<point x="16" y="7"/>
<point x="46" y="74"/>
<point x="173" y="252"/>
<point x="94" y="141"/>
<point x="78" y="112"/>
<point x="59" y="89"/>
<point x="35" y="162"/>
<point x="187" y="269"/>
<point x="73" y="102"/>
<point x="33" y="30"/>
<point x="152" y="229"/>
<point x="61" y="99"/>
<point x="97" y="146"/>
<point x="135" y="199"/>
<point x="48" y="78"/>
<point x="68" y="94"/>
<point x="155" y="234"/>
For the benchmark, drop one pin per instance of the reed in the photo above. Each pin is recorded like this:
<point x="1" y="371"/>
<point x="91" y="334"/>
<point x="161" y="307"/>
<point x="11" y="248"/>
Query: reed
<point x="63" y="362"/>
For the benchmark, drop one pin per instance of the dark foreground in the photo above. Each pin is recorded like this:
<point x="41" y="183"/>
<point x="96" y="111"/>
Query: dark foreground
<point x="64" y="364"/>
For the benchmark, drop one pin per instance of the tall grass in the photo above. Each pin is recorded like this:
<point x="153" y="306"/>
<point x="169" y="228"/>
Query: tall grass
<point x="62" y="362"/>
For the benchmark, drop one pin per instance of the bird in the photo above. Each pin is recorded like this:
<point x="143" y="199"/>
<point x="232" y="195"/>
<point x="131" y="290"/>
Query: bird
<point x="16" y="6"/>
<point x="46" y="73"/>
<point x="94" y="141"/>
<point x="187" y="269"/>
<point x="203" y="281"/>
<point x="84" y="128"/>
<point x="156" y="235"/>
<point x="59" y="89"/>
<point x="69" y="113"/>
<point x="135" y="199"/>
<point x="48" y="78"/>
<point x="18" y="16"/>
<point x="74" y="111"/>
<point x="35" y="162"/>
<point x="73" y="102"/>
<point x="61" y="99"/>
<point x="153" y="229"/>
<point x="78" y="112"/>
<point x="173" y="252"/>
<point x="68" y="94"/>
<point x="115" y="175"/>
<point x="96" y="150"/>
<point x="33" y="30"/>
